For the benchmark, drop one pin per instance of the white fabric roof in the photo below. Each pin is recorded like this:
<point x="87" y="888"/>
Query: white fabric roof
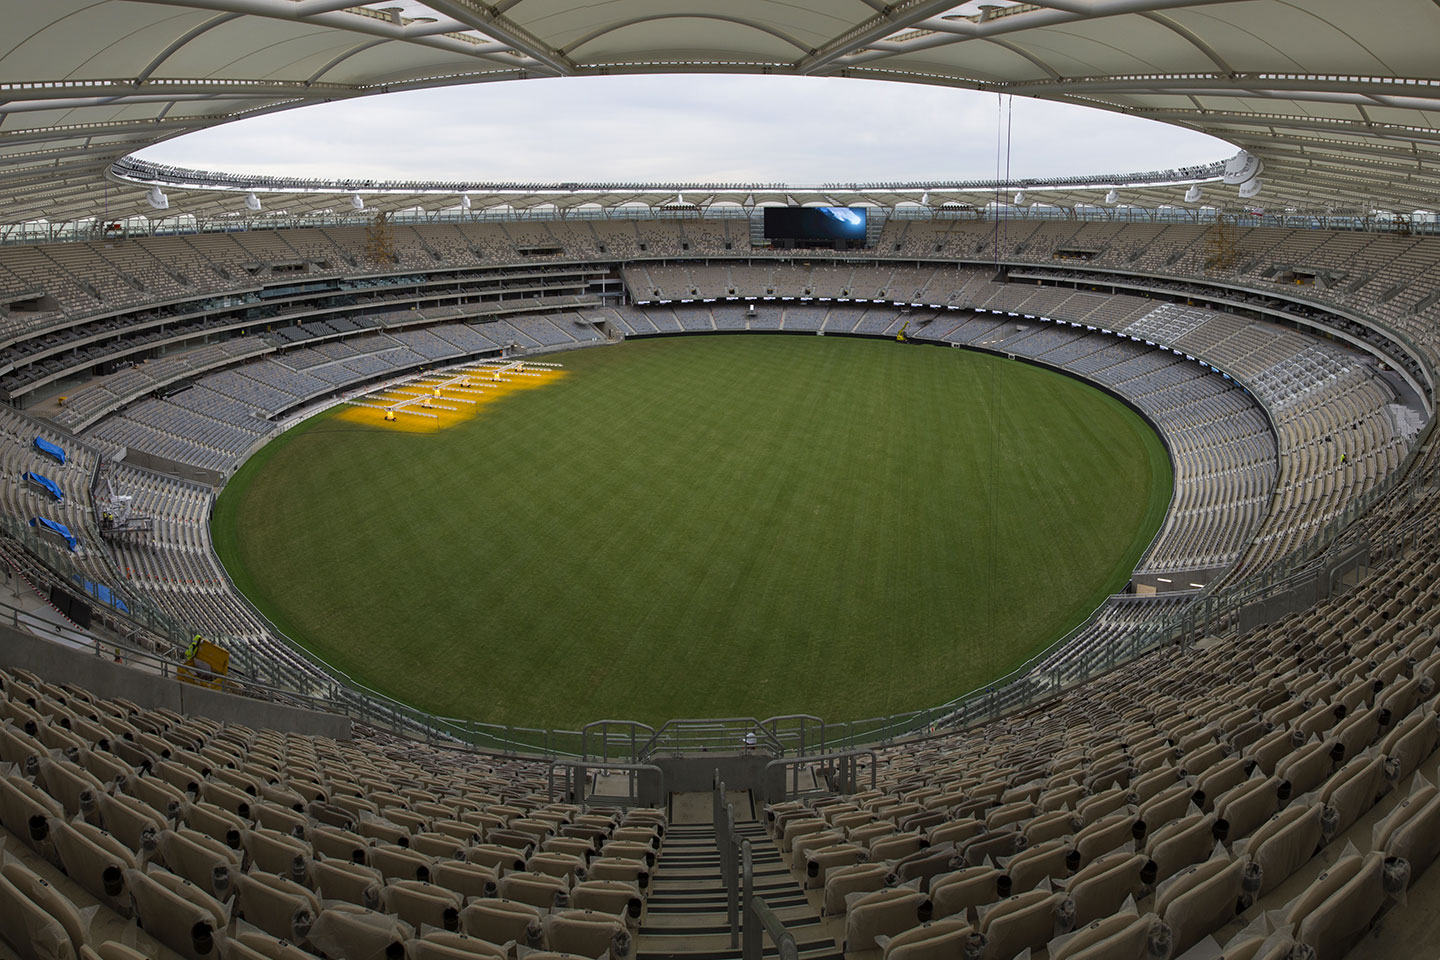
<point x="1339" y="99"/>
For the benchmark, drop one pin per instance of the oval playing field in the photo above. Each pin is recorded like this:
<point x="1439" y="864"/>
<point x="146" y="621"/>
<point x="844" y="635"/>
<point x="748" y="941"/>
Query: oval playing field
<point x="704" y="526"/>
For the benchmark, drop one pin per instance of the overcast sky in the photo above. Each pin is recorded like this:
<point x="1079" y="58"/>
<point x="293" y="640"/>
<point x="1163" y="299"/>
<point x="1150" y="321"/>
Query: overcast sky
<point x="686" y="127"/>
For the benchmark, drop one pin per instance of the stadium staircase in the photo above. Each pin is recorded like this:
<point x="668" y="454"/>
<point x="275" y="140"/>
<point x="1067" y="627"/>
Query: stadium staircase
<point x="686" y="910"/>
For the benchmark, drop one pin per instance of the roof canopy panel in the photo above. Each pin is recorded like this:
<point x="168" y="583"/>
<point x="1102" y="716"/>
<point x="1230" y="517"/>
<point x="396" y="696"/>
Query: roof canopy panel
<point x="1340" y="100"/>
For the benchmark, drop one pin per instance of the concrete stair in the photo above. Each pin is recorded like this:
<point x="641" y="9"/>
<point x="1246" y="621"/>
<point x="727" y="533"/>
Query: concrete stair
<point x="685" y="915"/>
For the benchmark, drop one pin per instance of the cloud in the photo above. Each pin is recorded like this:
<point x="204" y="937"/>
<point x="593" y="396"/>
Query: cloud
<point x="688" y="127"/>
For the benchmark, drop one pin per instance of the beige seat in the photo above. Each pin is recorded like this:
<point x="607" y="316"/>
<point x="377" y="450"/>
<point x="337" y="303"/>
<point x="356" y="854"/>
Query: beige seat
<point x="95" y="860"/>
<point x="1284" y="843"/>
<point x="178" y="922"/>
<point x="25" y="810"/>
<point x="503" y="921"/>
<point x="111" y="950"/>
<point x="1106" y="882"/>
<point x="399" y="863"/>
<point x="278" y="853"/>
<point x="936" y="940"/>
<point x="495" y="857"/>
<point x="818" y="861"/>
<point x="351" y="882"/>
<point x="31" y="924"/>
<point x="1411" y="740"/>
<point x="1200" y="899"/>
<point x="536" y="889"/>
<point x="1247" y="805"/>
<point x="883" y="913"/>
<point x="467" y="879"/>
<point x="587" y="933"/>
<point x="442" y="945"/>
<point x="1351" y="791"/>
<point x="961" y="892"/>
<point x="1122" y="936"/>
<point x="279" y="907"/>
<point x="1412" y="830"/>
<point x="840" y="882"/>
<point x="210" y="820"/>
<point x="1181" y="843"/>
<point x="1108" y="833"/>
<point x="613" y="897"/>
<point x="1339" y="905"/>
<point x="423" y="905"/>
<point x="344" y="930"/>
<point x="133" y="822"/>
<point x="1029" y="867"/>
<point x="1025" y="921"/>
<point x="618" y="868"/>
<point x="202" y="860"/>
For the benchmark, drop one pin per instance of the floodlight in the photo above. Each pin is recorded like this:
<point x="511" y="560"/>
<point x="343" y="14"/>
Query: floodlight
<point x="1250" y="188"/>
<point x="157" y="199"/>
<point x="356" y="202"/>
<point x="465" y="202"/>
<point x="1193" y="194"/>
<point x="252" y="202"/>
<point x="1019" y="197"/>
<point x="1242" y="167"/>
<point x="1113" y="196"/>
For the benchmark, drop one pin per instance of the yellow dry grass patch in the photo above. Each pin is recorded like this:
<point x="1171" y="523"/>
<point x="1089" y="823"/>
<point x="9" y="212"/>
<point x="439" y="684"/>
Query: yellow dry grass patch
<point x="454" y="404"/>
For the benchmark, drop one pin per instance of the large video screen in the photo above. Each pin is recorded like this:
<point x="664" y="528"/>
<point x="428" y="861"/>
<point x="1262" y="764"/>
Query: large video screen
<point x="824" y="224"/>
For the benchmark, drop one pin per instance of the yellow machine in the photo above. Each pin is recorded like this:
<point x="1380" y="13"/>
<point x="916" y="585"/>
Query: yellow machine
<point x="900" y="337"/>
<point x="206" y="665"/>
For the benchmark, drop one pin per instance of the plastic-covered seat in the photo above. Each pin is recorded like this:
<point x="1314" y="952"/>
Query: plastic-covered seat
<point x="1351" y="791"/>
<point x="588" y="934"/>
<point x="95" y="860"/>
<point x="963" y="891"/>
<point x="503" y="921"/>
<point x="1028" y="867"/>
<point x="818" y="861"/>
<point x="179" y="922"/>
<point x="34" y="927"/>
<point x="467" y="879"/>
<point x="1106" y="882"/>
<point x="1200" y="899"/>
<point x="1412" y="830"/>
<point x="344" y="930"/>
<point x="936" y="940"/>
<point x="1026" y="920"/>
<point x="442" y="945"/>
<point x="1121" y="936"/>
<point x="279" y="907"/>
<point x="1340" y="904"/>
<point x="884" y="913"/>
<point x="1284" y="843"/>
<point x="840" y="882"/>
<point x="613" y="897"/>
<point x="422" y="904"/>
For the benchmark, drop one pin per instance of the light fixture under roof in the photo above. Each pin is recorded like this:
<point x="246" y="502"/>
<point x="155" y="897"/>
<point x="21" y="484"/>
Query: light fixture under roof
<point x="356" y="201"/>
<point x="157" y="199"/>
<point x="1250" y="188"/>
<point x="1113" y="196"/>
<point x="1242" y="167"/>
<point x="1193" y="194"/>
<point x="252" y="202"/>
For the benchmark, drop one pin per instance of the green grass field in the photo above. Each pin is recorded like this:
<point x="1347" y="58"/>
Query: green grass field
<point x="705" y="526"/>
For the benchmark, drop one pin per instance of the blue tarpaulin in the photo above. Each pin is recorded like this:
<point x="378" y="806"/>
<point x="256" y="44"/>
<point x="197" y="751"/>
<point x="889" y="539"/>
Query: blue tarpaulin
<point x="43" y="481"/>
<point x="56" y="528"/>
<point x="45" y="446"/>
<point x="102" y="593"/>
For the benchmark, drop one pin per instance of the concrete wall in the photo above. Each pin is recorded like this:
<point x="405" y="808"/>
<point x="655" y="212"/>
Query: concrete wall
<point x="105" y="678"/>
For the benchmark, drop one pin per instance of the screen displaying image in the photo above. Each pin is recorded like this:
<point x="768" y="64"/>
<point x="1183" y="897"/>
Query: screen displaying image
<point x="815" y="223"/>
